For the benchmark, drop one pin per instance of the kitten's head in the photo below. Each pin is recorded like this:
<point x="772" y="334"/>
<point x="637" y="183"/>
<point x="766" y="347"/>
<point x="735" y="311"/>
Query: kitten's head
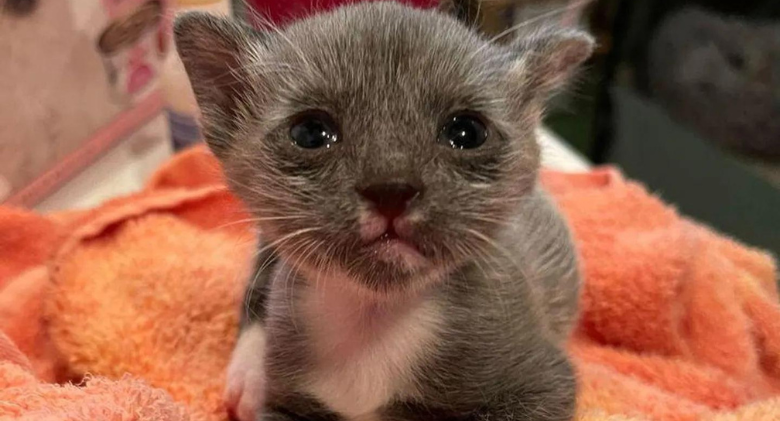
<point x="377" y="140"/>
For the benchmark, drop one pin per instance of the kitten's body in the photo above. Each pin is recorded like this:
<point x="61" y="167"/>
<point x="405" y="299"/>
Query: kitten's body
<point x="464" y="316"/>
<point x="491" y="328"/>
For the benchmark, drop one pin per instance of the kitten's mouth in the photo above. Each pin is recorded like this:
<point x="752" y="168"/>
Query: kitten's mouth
<point x="394" y="248"/>
<point x="391" y="240"/>
<point x="389" y="237"/>
<point x="398" y="251"/>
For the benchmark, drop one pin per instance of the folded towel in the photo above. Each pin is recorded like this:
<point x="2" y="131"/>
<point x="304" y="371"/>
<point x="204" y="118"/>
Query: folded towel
<point x="139" y="299"/>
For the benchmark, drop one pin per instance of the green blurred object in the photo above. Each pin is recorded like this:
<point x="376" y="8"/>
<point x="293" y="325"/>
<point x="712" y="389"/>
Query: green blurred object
<point x="571" y="117"/>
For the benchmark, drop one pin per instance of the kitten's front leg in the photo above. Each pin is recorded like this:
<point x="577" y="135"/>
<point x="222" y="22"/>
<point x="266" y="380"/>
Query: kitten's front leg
<point x="298" y="408"/>
<point x="543" y="390"/>
<point x="246" y="383"/>
<point x="508" y="408"/>
<point x="547" y="394"/>
<point x="245" y="389"/>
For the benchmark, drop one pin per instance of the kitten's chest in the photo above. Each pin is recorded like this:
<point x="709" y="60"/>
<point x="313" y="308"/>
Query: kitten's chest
<point x="364" y="355"/>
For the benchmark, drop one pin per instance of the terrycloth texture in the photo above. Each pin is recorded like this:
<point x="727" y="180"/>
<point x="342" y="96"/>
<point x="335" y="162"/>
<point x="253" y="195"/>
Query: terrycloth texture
<point x="24" y="397"/>
<point x="678" y="323"/>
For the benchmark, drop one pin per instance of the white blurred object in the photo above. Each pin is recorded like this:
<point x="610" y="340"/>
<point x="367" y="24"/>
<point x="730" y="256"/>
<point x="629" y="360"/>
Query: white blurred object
<point x="557" y="155"/>
<point x="123" y="170"/>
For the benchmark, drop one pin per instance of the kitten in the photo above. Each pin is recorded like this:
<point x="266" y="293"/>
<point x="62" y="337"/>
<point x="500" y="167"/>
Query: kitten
<point x="411" y="268"/>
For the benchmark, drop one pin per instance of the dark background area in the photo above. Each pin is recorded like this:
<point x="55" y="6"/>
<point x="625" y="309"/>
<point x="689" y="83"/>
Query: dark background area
<point x="677" y="125"/>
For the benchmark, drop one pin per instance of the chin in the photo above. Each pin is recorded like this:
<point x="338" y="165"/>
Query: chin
<point x="385" y="268"/>
<point x="391" y="278"/>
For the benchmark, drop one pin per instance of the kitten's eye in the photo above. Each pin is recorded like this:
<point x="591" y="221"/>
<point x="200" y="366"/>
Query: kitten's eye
<point x="313" y="130"/>
<point x="463" y="131"/>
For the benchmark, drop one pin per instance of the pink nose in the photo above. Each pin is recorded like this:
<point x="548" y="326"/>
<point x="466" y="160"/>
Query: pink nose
<point x="390" y="199"/>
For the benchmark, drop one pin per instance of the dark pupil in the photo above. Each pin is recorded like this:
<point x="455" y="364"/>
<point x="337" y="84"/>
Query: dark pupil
<point x="464" y="132"/>
<point x="312" y="133"/>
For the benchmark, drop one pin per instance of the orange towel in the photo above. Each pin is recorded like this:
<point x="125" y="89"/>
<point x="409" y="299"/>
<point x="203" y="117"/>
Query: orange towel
<point x="139" y="297"/>
<point x="24" y="397"/>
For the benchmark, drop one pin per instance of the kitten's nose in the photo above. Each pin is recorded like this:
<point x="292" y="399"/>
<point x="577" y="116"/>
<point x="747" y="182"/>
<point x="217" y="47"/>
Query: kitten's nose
<point x="390" y="199"/>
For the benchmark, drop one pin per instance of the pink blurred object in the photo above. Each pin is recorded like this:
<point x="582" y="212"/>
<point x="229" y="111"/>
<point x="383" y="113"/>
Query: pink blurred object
<point x="78" y="78"/>
<point x="283" y="11"/>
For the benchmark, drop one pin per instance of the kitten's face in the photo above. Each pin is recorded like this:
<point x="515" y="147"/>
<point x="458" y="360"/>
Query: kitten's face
<point x="388" y="143"/>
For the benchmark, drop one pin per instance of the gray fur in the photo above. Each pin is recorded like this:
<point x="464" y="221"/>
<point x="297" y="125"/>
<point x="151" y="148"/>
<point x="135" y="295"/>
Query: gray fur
<point x="504" y="270"/>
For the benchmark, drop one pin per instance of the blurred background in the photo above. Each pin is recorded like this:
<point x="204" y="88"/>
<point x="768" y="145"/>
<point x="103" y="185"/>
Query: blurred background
<point x="681" y="95"/>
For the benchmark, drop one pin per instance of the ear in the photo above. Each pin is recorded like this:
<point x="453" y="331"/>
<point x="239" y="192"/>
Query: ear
<point x="548" y="58"/>
<point x="214" y="52"/>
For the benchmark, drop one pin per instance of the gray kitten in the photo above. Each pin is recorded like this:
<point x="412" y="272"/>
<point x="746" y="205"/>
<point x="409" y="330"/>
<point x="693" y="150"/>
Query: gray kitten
<point x="411" y="268"/>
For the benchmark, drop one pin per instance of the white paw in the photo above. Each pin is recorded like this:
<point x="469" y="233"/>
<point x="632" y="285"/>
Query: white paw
<point x="245" y="388"/>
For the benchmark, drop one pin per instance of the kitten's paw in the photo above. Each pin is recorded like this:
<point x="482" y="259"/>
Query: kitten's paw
<point x="245" y="388"/>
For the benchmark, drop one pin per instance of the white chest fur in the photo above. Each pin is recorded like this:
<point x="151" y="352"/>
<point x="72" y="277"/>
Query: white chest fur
<point x="367" y="351"/>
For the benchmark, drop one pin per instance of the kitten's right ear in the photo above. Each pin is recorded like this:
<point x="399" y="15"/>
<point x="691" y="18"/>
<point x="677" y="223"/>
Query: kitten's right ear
<point x="214" y="52"/>
<point x="549" y="56"/>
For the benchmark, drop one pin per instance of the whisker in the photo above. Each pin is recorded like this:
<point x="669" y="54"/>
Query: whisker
<point x="265" y="248"/>
<point x="251" y="287"/>
<point x="308" y="247"/>
<point x="255" y="221"/>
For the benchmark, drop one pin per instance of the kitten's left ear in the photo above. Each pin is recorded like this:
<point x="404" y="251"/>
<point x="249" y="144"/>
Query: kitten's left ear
<point x="215" y="52"/>
<point x="547" y="58"/>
